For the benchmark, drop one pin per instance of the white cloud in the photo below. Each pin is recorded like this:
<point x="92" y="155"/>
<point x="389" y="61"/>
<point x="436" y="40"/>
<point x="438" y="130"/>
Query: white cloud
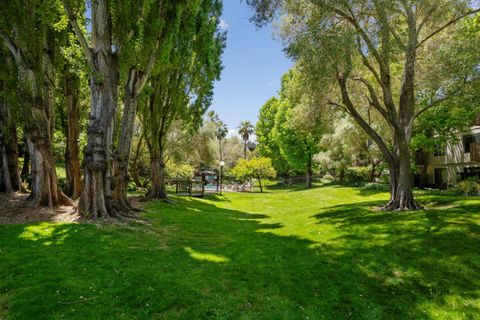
<point x="223" y="25"/>
<point x="233" y="133"/>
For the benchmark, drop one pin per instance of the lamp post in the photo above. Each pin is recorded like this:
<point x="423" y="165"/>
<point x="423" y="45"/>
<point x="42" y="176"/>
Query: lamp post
<point x="221" y="176"/>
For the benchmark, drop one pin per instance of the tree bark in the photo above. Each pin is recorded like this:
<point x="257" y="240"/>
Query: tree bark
<point x="401" y="186"/>
<point x="97" y="200"/>
<point x="36" y="83"/>
<point x="134" y="168"/>
<point x="120" y="168"/>
<point x="73" y="187"/>
<point x="9" y="175"/>
<point x="158" y="188"/>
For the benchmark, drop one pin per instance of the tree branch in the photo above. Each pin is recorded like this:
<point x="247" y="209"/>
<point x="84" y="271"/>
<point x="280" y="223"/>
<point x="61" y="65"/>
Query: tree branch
<point x="375" y="102"/>
<point x="361" y="122"/>
<point x="367" y="63"/>
<point x="354" y="22"/>
<point x="338" y="106"/>
<point x="80" y="36"/>
<point x="446" y="25"/>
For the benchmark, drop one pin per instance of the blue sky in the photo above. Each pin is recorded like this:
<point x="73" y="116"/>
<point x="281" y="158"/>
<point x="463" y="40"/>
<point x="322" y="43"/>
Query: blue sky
<point x="253" y="65"/>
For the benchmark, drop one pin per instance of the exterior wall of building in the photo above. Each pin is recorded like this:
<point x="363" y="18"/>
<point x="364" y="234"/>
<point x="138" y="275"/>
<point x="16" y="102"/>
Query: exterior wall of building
<point x="453" y="162"/>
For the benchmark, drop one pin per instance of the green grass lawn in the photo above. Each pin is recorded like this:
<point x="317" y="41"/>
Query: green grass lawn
<point x="324" y="253"/>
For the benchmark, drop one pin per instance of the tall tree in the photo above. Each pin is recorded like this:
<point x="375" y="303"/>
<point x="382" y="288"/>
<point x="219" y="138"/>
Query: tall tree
<point x="183" y="86"/>
<point x="145" y="37"/>
<point x="267" y="144"/>
<point x="72" y="82"/>
<point x="97" y="200"/>
<point x="29" y="35"/>
<point x="245" y="129"/>
<point x="371" y="50"/>
<point x="221" y="131"/>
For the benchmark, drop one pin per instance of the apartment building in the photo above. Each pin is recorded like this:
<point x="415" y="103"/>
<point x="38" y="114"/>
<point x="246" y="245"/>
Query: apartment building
<point x="452" y="163"/>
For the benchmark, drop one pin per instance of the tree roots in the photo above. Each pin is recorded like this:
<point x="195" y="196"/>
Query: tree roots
<point x="399" y="205"/>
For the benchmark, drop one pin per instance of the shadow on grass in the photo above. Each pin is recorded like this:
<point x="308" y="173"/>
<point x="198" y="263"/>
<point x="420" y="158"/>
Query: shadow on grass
<point x="199" y="261"/>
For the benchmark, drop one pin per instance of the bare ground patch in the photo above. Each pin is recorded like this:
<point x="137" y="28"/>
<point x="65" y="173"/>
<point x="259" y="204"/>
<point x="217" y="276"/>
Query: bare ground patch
<point x="14" y="208"/>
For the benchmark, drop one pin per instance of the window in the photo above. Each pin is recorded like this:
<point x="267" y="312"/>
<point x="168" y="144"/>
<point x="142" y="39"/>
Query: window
<point x="469" y="139"/>
<point x="439" y="150"/>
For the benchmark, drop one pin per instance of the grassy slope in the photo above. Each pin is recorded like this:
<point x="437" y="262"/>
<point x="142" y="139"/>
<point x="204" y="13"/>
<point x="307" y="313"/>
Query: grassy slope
<point x="288" y="254"/>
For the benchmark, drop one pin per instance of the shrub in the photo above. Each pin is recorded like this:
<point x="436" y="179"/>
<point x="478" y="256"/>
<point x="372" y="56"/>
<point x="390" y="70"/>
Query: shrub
<point x="178" y="171"/>
<point x="357" y="174"/>
<point x="256" y="168"/>
<point x="469" y="187"/>
<point x="377" y="186"/>
<point x="328" y="177"/>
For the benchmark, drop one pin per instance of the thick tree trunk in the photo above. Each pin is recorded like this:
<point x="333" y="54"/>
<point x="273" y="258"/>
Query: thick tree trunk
<point x="97" y="200"/>
<point x="309" y="172"/>
<point x="401" y="186"/>
<point x="39" y="131"/>
<point x="403" y="198"/>
<point x="73" y="187"/>
<point x="120" y="168"/>
<point x="158" y="188"/>
<point x="45" y="190"/>
<point x="245" y="149"/>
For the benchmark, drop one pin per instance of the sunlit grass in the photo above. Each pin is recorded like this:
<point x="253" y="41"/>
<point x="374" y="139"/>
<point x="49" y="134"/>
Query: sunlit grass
<point x="290" y="253"/>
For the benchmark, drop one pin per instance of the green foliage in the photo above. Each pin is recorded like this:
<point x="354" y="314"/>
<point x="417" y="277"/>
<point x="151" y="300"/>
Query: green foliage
<point x="328" y="177"/>
<point x="267" y="144"/>
<point x="469" y="187"/>
<point x="182" y="87"/>
<point x="357" y="174"/>
<point x="177" y="171"/>
<point x="256" y="168"/>
<point x="377" y="186"/>
<point x="290" y="127"/>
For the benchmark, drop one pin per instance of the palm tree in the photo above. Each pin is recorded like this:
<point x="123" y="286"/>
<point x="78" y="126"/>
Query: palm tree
<point x="245" y="129"/>
<point x="221" y="132"/>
